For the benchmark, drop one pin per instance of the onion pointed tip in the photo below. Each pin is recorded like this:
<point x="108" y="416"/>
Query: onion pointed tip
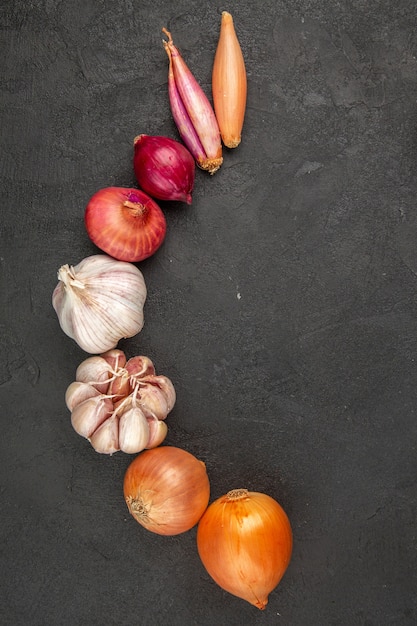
<point x="261" y="604"/>
<point x="167" y="33"/>
<point x="170" y="41"/>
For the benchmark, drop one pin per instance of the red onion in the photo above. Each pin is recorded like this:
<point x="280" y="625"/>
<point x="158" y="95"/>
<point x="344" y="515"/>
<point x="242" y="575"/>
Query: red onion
<point x="164" y="168"/>
<point x="125" y="223"/>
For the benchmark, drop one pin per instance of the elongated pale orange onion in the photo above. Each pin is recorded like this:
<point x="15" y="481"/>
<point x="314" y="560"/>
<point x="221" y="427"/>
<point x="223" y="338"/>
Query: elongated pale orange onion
<point x="166" y="490"/>
<point x="244" y="540"/>
<point x="229" y="83"/>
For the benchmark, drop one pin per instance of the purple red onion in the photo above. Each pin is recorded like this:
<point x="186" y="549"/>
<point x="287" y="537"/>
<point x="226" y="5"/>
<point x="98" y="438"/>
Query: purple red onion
<point x="164" y="168"/>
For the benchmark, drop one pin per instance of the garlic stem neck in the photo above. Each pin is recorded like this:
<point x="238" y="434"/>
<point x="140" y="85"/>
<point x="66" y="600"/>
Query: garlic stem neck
<point x="66" y="275"/>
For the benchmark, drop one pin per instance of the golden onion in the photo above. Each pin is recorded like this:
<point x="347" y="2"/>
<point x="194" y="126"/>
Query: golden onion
<point x="166" y="490"/>
<point x="244" y="540"/>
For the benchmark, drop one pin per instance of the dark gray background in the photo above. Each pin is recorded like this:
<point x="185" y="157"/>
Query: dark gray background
<point x="282" y="305"/>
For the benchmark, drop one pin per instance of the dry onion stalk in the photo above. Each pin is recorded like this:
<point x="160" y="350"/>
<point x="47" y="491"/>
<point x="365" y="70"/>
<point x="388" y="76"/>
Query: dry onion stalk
<point x="229" y="83"/>
<point x="119" y="404"/>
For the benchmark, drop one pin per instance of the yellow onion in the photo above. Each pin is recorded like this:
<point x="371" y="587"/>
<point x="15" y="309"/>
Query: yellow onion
<point x="244" y="540"/>
<point x="166" y="490"/>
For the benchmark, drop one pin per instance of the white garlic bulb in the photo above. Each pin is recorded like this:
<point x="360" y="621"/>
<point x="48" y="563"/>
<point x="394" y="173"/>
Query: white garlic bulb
<point x="99" y="302"/>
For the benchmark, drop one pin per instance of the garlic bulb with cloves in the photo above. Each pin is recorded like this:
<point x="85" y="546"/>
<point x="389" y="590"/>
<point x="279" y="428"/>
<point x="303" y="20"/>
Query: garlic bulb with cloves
<point x="119" y="404"/>
<point x="100" y="301"/>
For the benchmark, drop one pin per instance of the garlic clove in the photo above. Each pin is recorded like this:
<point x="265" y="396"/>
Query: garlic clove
<point x="116" y="358"/>
<point x="140" y="366"/>
<point x="87" y="416"/>
<point x="120" y="386"/>
<point x="105" y="439"/>
<point x="77" y="392"/>
<point x="167" y="388"/>
<point x="124" y="404"/>
<point x="96" y="371"/>
<point x="158" y="430"/>
<point x="133" y="431"/>
<point x="152" y="401"/>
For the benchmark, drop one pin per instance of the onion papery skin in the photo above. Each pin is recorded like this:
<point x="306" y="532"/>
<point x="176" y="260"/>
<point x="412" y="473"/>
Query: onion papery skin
<point x="164" y="168"/>
<point x="244" y="540"/>
<point x="167" y="490"/>
<point x="125" y="223"/>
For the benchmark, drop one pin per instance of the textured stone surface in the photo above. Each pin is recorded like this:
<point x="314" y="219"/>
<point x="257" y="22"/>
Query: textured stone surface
<point x="282" y="305"/>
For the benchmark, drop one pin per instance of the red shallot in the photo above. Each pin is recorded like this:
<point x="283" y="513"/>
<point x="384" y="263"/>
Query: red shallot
<point x="192" y="111"/>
